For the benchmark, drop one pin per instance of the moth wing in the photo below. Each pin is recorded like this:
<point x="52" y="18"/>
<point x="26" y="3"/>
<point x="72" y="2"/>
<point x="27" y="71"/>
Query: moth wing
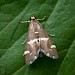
<point x="47" y="46"/>
<point x="31" y="53"/>
<point x="49" y="49"/>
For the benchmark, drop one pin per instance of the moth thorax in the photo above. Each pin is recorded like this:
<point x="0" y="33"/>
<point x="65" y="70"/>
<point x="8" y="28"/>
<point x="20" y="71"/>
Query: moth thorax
<point x="38" y="42"/>
<point x="36" y="35"/>
<point x="32" y="18"/>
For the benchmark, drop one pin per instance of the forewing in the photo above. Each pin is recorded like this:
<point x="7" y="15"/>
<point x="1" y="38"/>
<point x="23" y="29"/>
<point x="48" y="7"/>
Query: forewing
<point x="46" y="44"/>
<point x="31" y="53"/>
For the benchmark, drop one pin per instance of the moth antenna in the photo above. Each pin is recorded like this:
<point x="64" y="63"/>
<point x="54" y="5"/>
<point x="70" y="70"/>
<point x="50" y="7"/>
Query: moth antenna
<point x="42" y="18"/>
<point x="24" y="21"/>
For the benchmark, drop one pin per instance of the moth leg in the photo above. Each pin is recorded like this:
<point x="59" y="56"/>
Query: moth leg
<point x="52" y="35"/>
<point x="24" y="41"/>
<point x="42" y="18"/>
<point x="24" y="21"/>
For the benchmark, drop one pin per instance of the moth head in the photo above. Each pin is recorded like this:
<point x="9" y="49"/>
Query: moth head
<point x="33" y="18"/>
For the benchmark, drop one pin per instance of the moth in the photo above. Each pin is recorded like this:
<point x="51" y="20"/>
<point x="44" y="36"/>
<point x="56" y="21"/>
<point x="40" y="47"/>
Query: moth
<point x="38" y="43"/>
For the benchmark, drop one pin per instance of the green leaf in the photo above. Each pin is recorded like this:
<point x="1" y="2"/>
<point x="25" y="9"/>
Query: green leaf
<point x="67" y="66"/>
<point x="60" y="21"/>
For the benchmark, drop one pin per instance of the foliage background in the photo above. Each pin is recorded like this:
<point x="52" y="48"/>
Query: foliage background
<point x="60" y="21"/>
